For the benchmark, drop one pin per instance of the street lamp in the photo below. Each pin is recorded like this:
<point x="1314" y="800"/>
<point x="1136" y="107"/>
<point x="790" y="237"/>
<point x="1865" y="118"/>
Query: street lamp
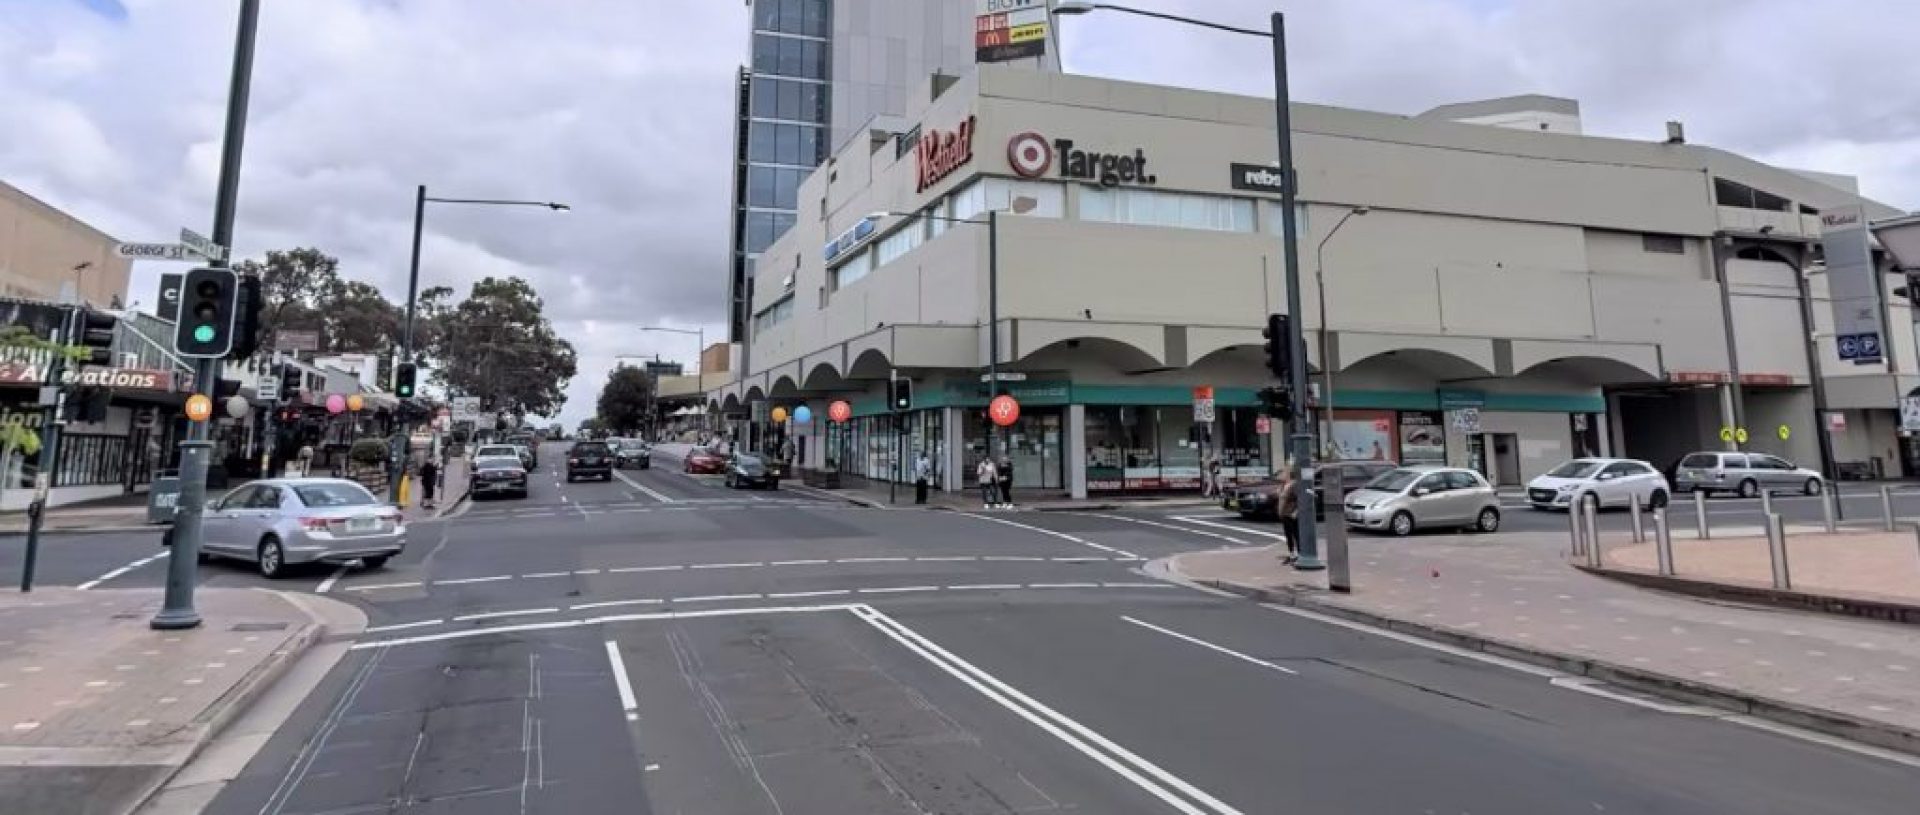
<point x="700" y="332"/>
<point x="1320" y="283"/>
<point x="1302" y="437"/>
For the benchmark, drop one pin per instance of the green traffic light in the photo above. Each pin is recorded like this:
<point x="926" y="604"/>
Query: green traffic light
<point x="203" y="333"/>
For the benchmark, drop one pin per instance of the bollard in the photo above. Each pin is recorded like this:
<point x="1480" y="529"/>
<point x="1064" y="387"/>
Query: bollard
<point x="1576" y="532"/>
<point x="1701" y="529"/>
<point x="1590" y="512"/>
<point x="1829" y="504"/>
<point x="1839" y="505"/>
<point x="1886" y="507"/>
<point x="1766" y="503"/>
<point x="1662" y="541"/>
<point x="1633" y="509"/>
<point x="1777" y="552"/>
<point x="1916" y="533"/>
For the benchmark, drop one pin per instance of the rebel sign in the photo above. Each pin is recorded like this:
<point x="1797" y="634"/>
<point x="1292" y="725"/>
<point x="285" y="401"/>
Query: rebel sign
<point x="1004" y="410"/>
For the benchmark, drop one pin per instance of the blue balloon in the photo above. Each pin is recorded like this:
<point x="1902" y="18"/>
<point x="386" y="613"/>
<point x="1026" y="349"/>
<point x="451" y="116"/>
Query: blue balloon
<point x="802" y="415"/>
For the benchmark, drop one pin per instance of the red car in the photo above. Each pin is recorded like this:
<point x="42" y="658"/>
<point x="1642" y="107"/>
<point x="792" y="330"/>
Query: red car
<point x="705" y="462"/>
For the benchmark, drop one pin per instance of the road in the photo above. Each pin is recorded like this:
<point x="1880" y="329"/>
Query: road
<point x="661" y="644"/>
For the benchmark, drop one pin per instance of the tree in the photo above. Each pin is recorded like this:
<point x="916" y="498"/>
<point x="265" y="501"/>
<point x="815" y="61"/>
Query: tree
<point x="626" y="401"/>
<point x="498" y="345"/>
<point x="304" y="291"/>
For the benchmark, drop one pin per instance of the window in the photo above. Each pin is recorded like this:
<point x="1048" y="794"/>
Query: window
<point x="1173" y="209"/>
<point x="1620" y="469"/>
<point x="1733" y="462"/>
<point x="782" y="143"/>
<point x="1049" y="199"/>
<point x="1770" y="463"/>
<point x="1270" y="218"/>
<point x="806" y="17"/>
<point x="1700" y="461"/>
<point x="1433" y="483"/>
<point x="902" y="241"/>
<point x="763" y="228"/>
<point x="1734" y="194"/>
<point x="1462" y="480"/>
<point x="855" y="268"/>
<point x="334" y="495"/>
<point x="788" y="56"/>
<point x="1663" y="244"/>
<point x="773" y="315"/>
<point x="775" y="98"/>
<point x="236" y="499"/>
<point x="774" y="187"/>
<point x="264" y="498"/>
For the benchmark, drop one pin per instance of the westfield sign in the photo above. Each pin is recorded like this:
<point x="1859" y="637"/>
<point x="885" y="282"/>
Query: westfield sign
<point x="940" y="152"/>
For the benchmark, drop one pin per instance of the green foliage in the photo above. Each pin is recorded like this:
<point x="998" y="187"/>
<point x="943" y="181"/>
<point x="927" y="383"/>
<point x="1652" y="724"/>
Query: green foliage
<point x="19" y="437"/>
<point x="368" y="451"/>
<point x="19" y="337"/>
<point x="626" y="401"/>
<point x="498" y="344"/>
<point x="304" y="291"/>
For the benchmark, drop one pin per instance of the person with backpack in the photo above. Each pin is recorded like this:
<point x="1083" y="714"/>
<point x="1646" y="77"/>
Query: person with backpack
<point x="989" y="478"/>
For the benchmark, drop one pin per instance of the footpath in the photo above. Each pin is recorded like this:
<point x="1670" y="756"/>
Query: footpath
<point x="98" y="712"/>
<point x="1518" y="595"/>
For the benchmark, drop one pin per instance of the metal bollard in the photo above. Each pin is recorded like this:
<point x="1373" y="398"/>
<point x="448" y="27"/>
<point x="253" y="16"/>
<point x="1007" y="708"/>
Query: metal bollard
<point x="1829" y="504"/>
<point x="1777" y="552"/>
<point x="1633" y="508"/>
<point x="1590" y="512"/>
<point x="1700" y="515"/>
<point x="1886" y="507"/>
<point x="1766" y="503"/>
<point x="1662" y="542"/>
<point x="1576" y="532"/>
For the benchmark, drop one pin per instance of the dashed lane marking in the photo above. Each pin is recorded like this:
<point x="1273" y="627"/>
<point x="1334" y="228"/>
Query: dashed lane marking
<point x="650" y="492"/>
<point x="1145" y="522"/>
<point x="741" y="565"/>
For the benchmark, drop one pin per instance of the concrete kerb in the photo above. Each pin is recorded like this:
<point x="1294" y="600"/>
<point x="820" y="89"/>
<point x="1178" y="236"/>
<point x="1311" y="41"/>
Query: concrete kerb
<point x="1832" y="723"/>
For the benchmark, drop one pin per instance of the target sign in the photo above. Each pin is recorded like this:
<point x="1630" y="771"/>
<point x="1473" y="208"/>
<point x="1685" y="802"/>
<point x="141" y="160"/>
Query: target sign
<point x="839" y="412"/>
<point x="1004" y="410"/>
<point x="1029" y="155"/>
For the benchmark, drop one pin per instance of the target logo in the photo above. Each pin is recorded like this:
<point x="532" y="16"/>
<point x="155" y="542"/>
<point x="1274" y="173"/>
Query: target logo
<point x="1029" y="155"/>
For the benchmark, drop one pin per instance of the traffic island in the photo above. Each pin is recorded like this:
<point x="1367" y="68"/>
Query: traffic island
<point x="98" y="710"/>
<point x="1856" y="573"/>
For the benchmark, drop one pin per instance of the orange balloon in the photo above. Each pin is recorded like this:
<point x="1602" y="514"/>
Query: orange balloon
<point x="199" y="407"/>
<point x="354" y="402"/>
<point x="779" y="415"/>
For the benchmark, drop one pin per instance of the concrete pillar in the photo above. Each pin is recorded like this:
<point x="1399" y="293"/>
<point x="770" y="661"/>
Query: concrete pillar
<point x="956" y="461"/>
<point x="1614" y="440"/>
<point x="1077" y="450"/>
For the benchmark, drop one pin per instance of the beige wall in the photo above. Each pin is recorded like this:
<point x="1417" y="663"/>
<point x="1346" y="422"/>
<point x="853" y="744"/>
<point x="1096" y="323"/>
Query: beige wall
<point x="40" y="246"/>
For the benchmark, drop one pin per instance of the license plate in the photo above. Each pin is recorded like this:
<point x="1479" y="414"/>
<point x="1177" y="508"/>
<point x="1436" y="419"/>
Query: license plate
<point x="363" y="524"/>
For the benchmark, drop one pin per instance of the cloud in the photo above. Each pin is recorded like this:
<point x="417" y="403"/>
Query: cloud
<point x="115" y="116"/>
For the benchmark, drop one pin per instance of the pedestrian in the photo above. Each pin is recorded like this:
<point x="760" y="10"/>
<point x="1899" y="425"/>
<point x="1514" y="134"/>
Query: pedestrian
<point x="1006" y="481"/>
<point x="922" y="477"/>
<point x="1288" y="496"/>
<point x="989" y="480"/>
<point x="429" y="479"/>
<point x="1210" y="479"/>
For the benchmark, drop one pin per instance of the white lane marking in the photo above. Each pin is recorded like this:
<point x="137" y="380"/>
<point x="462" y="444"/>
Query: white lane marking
<point x="327" y="584"/>
<point x="650" y="492"/>
<point x="1137" y="586"/>
<point x="644" y="601"/>
<point x="825" y="593"/>
<point x="798" y="562"/>
<point x="402" y="626"/>
<point x="532" y="575"/>
<point x="1086" y="559"/>
<point x="379" y="586"/>
<point x="898" y="589"/>
<point x="754" y="565"/>
<point x="1217" y="525"/>
<point x="870" y="560"/>
<point x="122" y="570"/>
<point x="612" y="618"/>
<point x="631" y="569"/>
<point x="717" y="598"/>
<point x="1210" y="646"/>
<point x="1063" y="585"/>
<point x="1014" y="558"/>
<point x="620" y="681"/>
<point x="985" y="587"/>
<point x="459" y="581"/>
<point x="1061" y="535"/>
<point x="1409" y="639"/>
<point x="586" y="571"/>
<point x="951" y="559"/>
<point x="1144" y="522"/>
<point x="517" y="613"/>
<point x="1074" y="734"/>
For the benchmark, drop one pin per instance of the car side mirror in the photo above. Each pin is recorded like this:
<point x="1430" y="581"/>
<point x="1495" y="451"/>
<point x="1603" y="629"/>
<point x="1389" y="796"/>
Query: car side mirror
<point x="1419" y="491"/>
<point x="213" y="505"/>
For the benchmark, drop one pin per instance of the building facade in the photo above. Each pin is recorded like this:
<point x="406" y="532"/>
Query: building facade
<point x="1491" y="294"/>
<point x="42" y="249"/>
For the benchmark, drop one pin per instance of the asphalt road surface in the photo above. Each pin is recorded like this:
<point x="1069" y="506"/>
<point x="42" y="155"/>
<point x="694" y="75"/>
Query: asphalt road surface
<point x="658" y="643"/>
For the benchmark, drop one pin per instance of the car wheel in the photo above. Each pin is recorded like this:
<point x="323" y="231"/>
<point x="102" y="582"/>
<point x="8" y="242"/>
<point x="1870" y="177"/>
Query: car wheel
<point x="166" y="537"/>
<point x="374" y="562"/>
<point x="569" y="478"/>
<point x="1658" y="500"/>
<point x="1489" y="521"/>
<point x="1812" y="487"/>
<point x="1402" y="524"/>
<point x="1749" y="489"/>
<point x="273" y="558"/>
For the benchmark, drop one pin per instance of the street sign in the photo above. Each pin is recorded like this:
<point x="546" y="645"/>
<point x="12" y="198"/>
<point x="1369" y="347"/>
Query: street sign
<point x="1006" y="376"/>
<point x="268" y="387"/>
<point x="1837" y="421"/>
<point x="466" y="408"/>
<point x="1203" y="404"/>
<point x="1740" y="435"/>
<point x="296" y="340"/>
<point x="201" y="246"/>
<point x="1784" y="432"/>
<point x="156" y="251"/>
<point x="1863" y="349"/>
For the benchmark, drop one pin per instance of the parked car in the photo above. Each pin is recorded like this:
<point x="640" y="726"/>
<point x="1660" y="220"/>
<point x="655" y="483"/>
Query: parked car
<point x="532" y="446"/>
<point x="281" y="522"/>
<point x="494" y="475"/>
<point x="1612" y="482"/>
<point x="588" y="459"/>
<point x="632" y="453"/>
<point x="701" y="461"/>
<point x="1260" y="499"/>
<point x="747" y="470"/>
<point x="524" y="456"/>
<point x="1743" y="473"/>
<point x="1425" y="497"/>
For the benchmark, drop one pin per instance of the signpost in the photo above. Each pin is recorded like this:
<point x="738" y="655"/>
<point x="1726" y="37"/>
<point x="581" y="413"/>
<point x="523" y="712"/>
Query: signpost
<point x="1006" y="30"/>
<point x="1854" y="284"/>
<point x="157" y="251"/>
<point x="1203" y="404"/>
<point x="199" y="245"/>
<point x="465" y="409"/>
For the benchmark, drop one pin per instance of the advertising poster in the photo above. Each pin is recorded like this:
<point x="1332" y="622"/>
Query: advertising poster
<point x="1423" y="440"/>
<point x="1365" y="438"/>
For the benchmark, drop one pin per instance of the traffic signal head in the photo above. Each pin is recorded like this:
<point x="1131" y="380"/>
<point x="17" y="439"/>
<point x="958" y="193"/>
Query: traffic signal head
<point x="1279" y="348"/>
<point x="246" y="317"/>
<point x="1911" y="291"/>
<point x="290" y="382"/>
<point x="1277" y="403"/>
<point x="208" y="299"/>
<point x="403" y="376"/>
<point x="93" y="330"/>
<point x="902" y="395"/>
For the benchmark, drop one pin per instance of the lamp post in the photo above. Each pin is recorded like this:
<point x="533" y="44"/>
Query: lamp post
<point x="1320" y="285"/>
<point x="1301" y="436"/>
<point x="700" y="332"/>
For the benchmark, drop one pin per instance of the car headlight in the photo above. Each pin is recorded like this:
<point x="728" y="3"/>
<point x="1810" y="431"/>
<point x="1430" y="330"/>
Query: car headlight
<point x="1567" y="487"/>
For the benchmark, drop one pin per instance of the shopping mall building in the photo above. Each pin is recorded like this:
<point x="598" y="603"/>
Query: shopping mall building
<point x="1511" y="293"/>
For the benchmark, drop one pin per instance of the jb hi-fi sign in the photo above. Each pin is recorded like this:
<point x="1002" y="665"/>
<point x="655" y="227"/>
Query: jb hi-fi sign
<point x="940" y="152"/>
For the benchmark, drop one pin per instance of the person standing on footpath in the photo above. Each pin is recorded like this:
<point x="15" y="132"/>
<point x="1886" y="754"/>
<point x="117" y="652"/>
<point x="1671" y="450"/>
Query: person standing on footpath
<point x="922" y="474"/>
<point x="429" y="479"/>
<point x="1006" y="481"/>
<point x="989" y="479"/>
<point x="1289" y="497"/>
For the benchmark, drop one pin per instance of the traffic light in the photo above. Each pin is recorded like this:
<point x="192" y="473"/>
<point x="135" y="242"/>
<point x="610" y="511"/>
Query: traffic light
<point x="290" y="382"/>
<point x="1277" y="402"/>
<point x="93" y="330"/>
<point x="902" y="394"/>
<point x="246" y="320"/>
<point x="1279" y="347"/>
<point x="208" y="298"/>
<point x="403" y="377"/>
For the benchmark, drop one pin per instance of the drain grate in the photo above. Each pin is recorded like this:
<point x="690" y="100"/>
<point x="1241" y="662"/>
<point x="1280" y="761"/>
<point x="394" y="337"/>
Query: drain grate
<point x="258" y="627"/>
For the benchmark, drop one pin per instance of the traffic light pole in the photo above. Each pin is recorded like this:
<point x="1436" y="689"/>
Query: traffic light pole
<point x="49" y="455"/>
<point x="178" y="612"/>
<point x="1299" y="431"/>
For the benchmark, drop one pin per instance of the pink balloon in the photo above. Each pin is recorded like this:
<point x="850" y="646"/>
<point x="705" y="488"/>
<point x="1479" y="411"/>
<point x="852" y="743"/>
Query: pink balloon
<point x="336" y="403"/>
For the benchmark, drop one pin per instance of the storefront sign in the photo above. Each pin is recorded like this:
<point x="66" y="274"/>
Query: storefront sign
<point x="1258" y="178"/>
<point x="940" y="152"/>
<point x="1006" y="30"/>
<point x="1854" y="285"/>
<point x="1766" y="379"/>
<point x="16" y="372"/>
<point x="1030" y="155"/>
<point x="1699" y="377"/>
<point x="1461" y="398"/>
<point x="849" y="239"/>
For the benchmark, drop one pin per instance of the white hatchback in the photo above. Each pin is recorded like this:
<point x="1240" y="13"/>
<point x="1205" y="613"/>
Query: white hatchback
<point x="1612" y="482"/>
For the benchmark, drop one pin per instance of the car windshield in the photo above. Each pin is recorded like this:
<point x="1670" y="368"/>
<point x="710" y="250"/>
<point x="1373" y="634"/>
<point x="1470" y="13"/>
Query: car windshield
<point x="497" y="463"/>
<point x="334" y="495"/>
<point x="1575" y="469"/>
<point x="632" y="446"/>
<point x="750" y="464"/>
<point x="1394" y="480"/>
<point x="497" y="450"/>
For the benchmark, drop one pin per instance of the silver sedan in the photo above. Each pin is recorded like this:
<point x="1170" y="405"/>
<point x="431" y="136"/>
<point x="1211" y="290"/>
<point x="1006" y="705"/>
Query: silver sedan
<point x="277" y="523"/>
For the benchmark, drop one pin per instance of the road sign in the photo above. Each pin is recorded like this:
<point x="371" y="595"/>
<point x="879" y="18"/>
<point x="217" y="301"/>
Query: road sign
<point x="1006" y="376"/>
<point x="1467" y="420"/>
<point x="466" y="408"/>
<point x="1837" y="421"/>
<point x="201" y="246"/>
<point x="199" y="407"/>
<point x="156" y="251"/>
<point x="296" y="340"/>
<point x="1784" y="432"/>
<point x="1004" y="410"/>
<point x="268" y="387"/>
<point x="1863" y="348"/>
<point x="1740" y="435"/>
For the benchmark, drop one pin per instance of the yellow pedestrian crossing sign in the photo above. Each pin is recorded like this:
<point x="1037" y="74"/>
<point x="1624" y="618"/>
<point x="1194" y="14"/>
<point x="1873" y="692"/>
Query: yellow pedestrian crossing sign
<point x="1785" y="432"/>
<point x="1726" y="434"/>
<point x="1740" y="435"/>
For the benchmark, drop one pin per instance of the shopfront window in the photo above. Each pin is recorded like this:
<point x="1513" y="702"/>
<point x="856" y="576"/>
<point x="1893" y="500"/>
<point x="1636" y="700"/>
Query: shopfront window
<point x="1242" y="448"/>
<point x="1154" y="448"/>
<point x="1423" y="439"/>
<point x="878" y="449"/>
<point x="1034" y="443"/>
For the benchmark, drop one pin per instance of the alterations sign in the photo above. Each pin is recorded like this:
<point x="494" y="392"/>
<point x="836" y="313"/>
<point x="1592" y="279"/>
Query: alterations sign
<point x="1005" y="30"/>
<point x="1853" y="285"/>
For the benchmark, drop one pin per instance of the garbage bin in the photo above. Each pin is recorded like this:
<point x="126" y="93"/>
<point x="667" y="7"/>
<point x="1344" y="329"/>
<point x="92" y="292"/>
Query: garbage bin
<point x="163" y="496"/>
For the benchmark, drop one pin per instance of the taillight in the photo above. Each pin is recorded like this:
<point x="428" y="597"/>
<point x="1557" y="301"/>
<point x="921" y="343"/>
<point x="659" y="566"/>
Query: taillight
<point x="391" y="517"/>
<point x="573" y="461"/>
<point x="314" y="523"/>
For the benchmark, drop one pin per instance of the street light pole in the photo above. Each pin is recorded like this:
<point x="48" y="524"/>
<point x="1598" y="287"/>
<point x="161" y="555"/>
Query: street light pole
<point x="1320" y="289"/>
<point x="993" y="336"/>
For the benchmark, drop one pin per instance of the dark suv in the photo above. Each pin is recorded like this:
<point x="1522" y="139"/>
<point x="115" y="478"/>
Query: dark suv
<point x="589" y="458"/>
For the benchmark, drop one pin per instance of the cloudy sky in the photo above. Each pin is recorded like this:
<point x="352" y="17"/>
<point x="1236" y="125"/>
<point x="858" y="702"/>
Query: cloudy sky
<point x="621" y="108"/>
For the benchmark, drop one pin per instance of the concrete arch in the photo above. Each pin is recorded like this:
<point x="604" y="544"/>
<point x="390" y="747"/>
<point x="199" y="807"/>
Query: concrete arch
<point x="1596" y="369"/>
<point x="1442" y="358"/>
<point x="1143" y="347"/>
<point x="754" y="393"/>
<point x="1441" y="365"/>
<point x="823" y="377"/>
<point x="784" y="387"/>
<point x="1118" y="354"/>
<point x="871" y="364"/>
<point x="731" y="404"/>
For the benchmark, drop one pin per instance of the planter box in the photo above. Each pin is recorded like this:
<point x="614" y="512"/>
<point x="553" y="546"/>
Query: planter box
<point x="822" y="479"/>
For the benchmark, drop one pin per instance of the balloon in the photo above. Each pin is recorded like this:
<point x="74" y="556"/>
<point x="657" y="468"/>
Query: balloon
<point x="802" y="415"/>
<point x="238" y="407"/>
<point x="1004" y="410"/>
<point x="355" y="403"/>
<point x="336" y="403"/>
<point x="839" y="411"/>
<point x="779" y="415"/>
